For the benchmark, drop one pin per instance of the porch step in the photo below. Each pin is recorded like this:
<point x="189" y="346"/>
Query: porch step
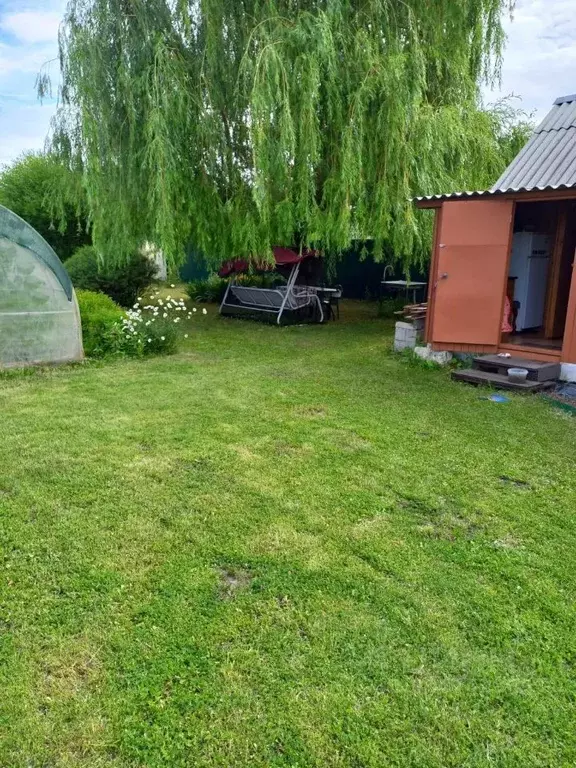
<point x="501" y="381"/>
<point x="500" y="365"/>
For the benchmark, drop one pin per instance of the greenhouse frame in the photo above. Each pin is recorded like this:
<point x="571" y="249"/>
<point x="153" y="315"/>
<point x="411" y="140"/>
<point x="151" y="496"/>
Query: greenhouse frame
<point x="39" y="316"/>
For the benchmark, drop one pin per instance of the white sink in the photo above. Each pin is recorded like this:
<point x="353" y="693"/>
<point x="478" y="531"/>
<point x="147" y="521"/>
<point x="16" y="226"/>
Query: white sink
<point x="403" y="283"/>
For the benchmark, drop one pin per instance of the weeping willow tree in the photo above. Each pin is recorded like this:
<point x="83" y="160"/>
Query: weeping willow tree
<point x="240" y="124"/>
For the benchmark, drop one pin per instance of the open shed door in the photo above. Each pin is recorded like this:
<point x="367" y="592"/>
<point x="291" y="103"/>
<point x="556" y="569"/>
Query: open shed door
<point x="472" y="264"/>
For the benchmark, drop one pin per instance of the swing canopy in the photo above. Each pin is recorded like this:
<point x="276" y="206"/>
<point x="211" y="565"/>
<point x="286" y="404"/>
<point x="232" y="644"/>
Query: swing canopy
<point x="283" y="257"/>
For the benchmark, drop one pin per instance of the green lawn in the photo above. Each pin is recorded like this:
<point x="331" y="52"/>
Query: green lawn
<point x="283" y="547"/>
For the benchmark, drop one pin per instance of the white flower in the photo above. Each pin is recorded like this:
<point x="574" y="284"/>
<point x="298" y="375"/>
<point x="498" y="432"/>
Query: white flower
<point x="172" y="286"/>
<point x="163" y="338"/>
<point x="185" y="335"/>
<point x="149" y="340"/>
<point x="135" y="306"/>
<point x="165" y="314"/>
<point x="194" y="309"/>
<point x="139" y="298"/>
<point x="204" y="311"/>
<point x="148" y="322"/>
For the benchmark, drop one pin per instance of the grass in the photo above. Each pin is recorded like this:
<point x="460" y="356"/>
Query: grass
<point x="283" y="547"/>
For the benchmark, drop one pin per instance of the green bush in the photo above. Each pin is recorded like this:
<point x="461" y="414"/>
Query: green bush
<point x="122" y="283"/>
<point x="155" y="326"/>
<point x="162" y="338"/>
<point x="101" y="319"/>
<point x="108" y="330"/>
<point x="207" y="291"/>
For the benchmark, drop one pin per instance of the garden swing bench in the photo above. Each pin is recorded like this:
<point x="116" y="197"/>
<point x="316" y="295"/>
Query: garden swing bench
<point x="292" y="302"/>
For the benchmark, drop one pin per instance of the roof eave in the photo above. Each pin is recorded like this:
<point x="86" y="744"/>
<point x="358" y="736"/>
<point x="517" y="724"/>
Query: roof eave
<point x="435" y="201"/>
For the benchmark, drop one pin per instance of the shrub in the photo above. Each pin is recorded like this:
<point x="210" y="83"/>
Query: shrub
<point x="156" y="325"/>
<point x="207" y="291"/>
<point x="100" y="318"/>
<point x="153" y="326"/>
<point x="122" y="283"/>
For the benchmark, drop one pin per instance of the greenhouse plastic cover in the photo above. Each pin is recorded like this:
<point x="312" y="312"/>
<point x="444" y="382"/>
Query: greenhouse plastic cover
<point x="39" y="318"/>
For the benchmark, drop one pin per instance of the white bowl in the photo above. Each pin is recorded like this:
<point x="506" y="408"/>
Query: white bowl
<point x="517" y="375"/>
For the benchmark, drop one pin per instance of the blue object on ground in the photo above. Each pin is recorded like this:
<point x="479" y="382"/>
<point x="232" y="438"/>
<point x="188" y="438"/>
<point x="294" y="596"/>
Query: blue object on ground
<point x="497" y="398"/>
<point x="567" y="390"/>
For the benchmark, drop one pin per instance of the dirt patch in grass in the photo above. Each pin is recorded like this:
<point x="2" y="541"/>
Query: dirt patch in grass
<point x="282" y="448"/>
<point x="449" y="527"/>
<point x="232" y="581"/>
<point x="445" y="522"/>
<point x="370" y="525"/>
<point x="66" y="675"/>
<point x="245" y="453"/>
<point x="310" y="412"/>
<point x="200" y="465"/>
<point x="417" y="506"/>
<point x="348" y="440"/>
<point x="514" y="482"/>
<point x="508" y="542"/>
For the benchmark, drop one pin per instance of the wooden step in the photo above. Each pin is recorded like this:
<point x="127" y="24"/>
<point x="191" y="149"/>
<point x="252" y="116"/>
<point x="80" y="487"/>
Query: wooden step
<point x="500" y="381"/>
<point x="537" y="371"/>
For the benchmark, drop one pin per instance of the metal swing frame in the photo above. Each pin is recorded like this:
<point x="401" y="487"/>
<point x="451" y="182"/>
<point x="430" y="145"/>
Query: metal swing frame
<point x="273" y="301"/>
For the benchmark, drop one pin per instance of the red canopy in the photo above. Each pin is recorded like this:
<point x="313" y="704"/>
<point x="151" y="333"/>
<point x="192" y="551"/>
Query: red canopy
<point x="282" y="257"/>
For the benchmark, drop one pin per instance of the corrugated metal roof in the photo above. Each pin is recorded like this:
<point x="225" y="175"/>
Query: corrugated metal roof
<point x="488" y="193"/>
<point x="456" y="196"/>
<point x="548" y="161"/>
<point x="560" y="116"/>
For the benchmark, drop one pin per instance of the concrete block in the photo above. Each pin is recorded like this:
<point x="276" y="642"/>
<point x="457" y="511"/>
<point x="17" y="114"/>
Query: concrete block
<point x="427" y="353"/>
<point x="442" y="358"/>
<point x="423" y="352"/>
<point x="405" y="336"/>
<point x="568" y="372"/>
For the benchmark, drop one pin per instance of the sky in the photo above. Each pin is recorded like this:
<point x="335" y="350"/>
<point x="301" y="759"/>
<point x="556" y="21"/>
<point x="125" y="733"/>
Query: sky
<point x="539" y="63"/>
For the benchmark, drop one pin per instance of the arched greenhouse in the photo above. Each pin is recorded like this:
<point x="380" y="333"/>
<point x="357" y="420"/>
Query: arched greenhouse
<point x="39" y="317"/>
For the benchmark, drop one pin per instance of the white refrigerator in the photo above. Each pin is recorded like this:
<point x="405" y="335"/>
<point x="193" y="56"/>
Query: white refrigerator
<point x="530" y="264"/>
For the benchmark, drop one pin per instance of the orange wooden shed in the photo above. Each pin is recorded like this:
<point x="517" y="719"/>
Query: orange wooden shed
<point x="502" y="277"/>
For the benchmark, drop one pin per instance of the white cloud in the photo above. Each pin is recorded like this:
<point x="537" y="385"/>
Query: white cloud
<point x="540" y="58"/>
<point x="24" y="59"/>
<point x="28" y="40"/>
<point x="539" y="62"/>
<point x="31" y="27"/>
